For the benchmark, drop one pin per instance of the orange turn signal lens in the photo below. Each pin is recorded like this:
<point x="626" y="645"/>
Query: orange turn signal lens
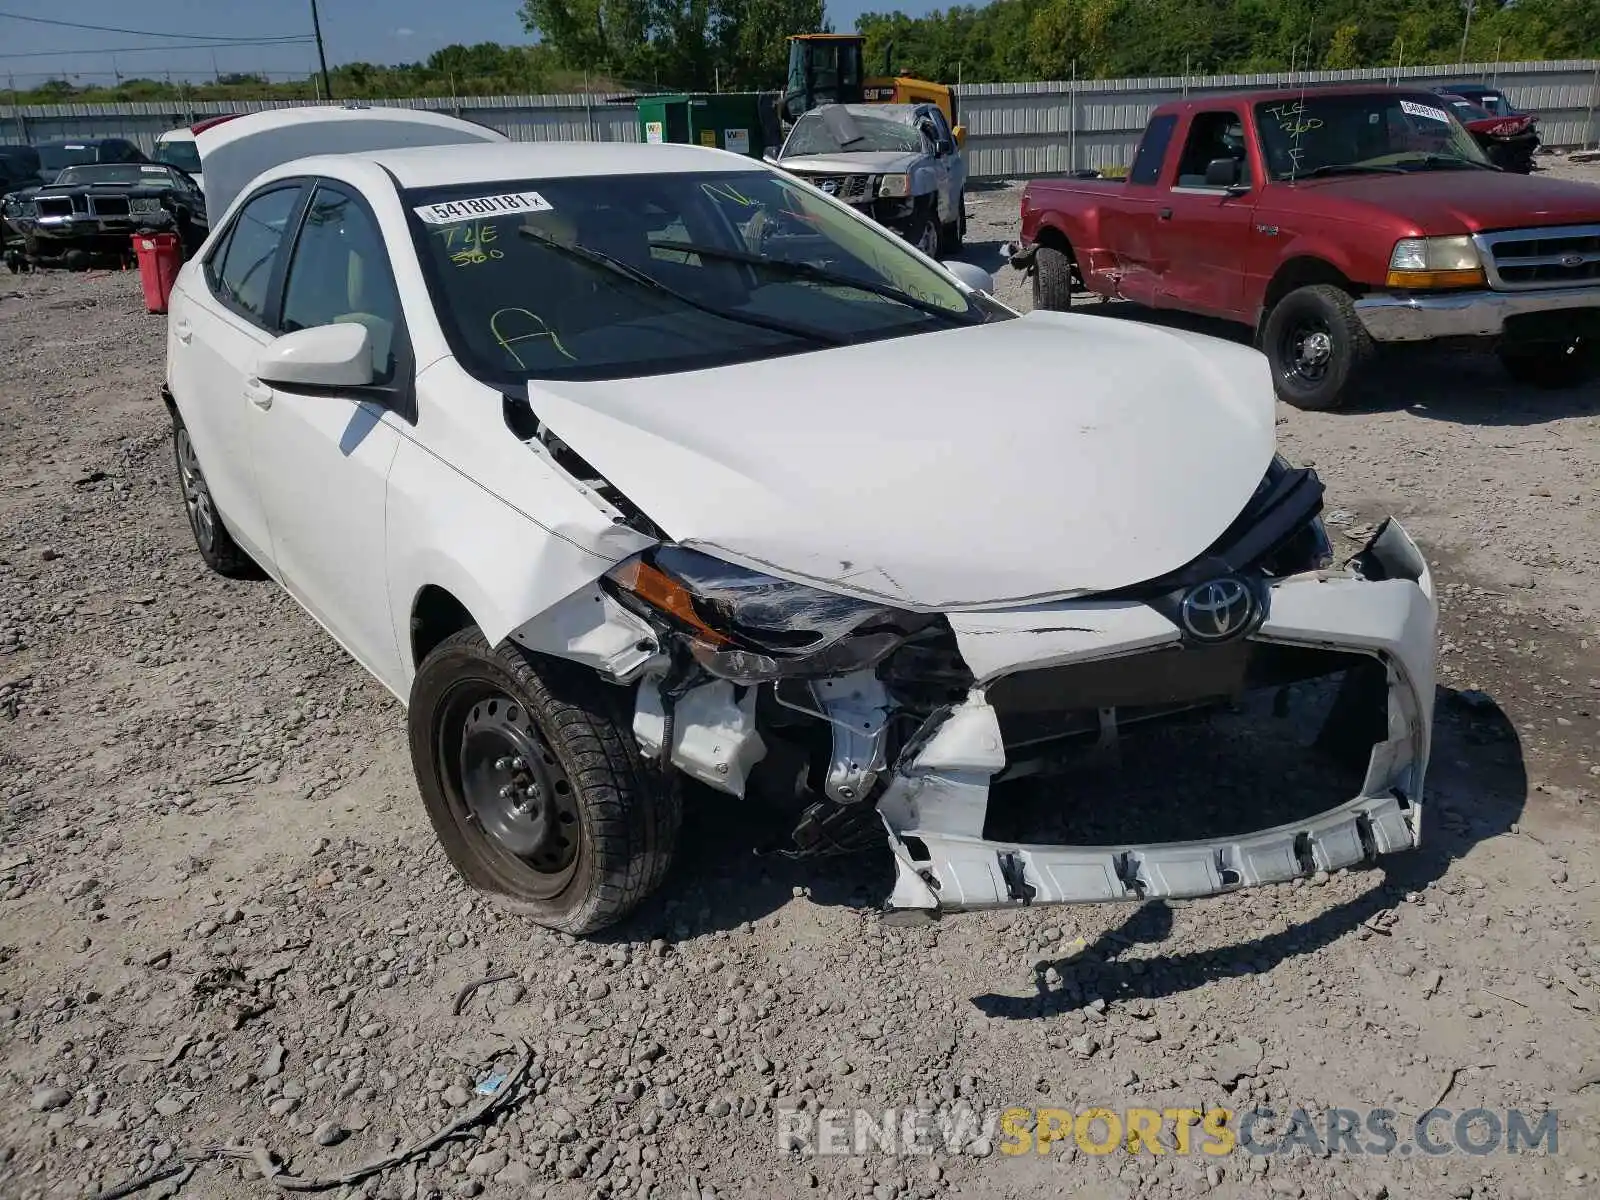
<point x="660" y="590"/>
<point x="1429" y="280"/>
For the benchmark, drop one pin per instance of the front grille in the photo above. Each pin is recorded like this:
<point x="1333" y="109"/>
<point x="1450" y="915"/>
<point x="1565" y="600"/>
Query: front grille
<point x="55" y="206"/>
<point x="852" y="189"/>
<point x="1517" y="259"/>
<point x="109" y="206"/>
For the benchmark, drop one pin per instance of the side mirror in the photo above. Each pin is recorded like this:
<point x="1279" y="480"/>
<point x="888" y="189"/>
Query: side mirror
<point x="960" y="132"/>
<point x="324" y="357"/>
<point x="974" y="277"/>
<point x="770" y="157"/>
<point x="1224" y="172"/>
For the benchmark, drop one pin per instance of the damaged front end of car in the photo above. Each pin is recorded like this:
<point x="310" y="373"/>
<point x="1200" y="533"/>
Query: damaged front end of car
<point x="1257" y="715"/>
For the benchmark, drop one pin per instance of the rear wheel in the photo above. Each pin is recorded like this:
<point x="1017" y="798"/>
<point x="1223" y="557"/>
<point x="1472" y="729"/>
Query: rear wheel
<point x="535" y="786"/>
<point x="211" y="537"/>
<point x="1317" y="346"/>
<point x="1553" y="364"/>
<point x="1052" y="278"/>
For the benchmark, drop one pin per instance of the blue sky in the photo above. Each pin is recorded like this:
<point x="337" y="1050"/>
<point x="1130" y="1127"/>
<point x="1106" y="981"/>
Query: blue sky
<point x="391" y="31"/>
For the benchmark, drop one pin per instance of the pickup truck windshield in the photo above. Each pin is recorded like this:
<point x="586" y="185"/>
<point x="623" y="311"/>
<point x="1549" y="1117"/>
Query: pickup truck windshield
<point x="599" y="278"/>
<point x="811" y="135"/>
<point x="1328" y="135"/>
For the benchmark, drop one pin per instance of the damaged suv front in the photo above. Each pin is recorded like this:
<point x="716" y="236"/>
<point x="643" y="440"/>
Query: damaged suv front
<point x="968" y="733"/>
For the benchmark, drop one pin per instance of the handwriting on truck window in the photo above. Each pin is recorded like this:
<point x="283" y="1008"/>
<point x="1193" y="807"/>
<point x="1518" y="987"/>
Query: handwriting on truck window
<point x="1292" y="118"/>
<point x="470" y="244"/>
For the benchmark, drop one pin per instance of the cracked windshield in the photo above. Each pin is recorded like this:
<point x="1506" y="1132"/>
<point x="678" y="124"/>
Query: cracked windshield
<point x="611" y="276"/>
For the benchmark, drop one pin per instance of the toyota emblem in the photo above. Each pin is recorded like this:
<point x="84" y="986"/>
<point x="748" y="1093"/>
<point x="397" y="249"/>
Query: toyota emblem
<point x="1217" y="610"/>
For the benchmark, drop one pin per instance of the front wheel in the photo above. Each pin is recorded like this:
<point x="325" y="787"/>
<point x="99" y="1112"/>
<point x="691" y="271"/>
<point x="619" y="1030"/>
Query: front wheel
<point x="1316" y="345"/>
<point x="955" y="232"/>
<point x="924" y="232"/>
<point x="1553" y="364"/>
<point x="535" y="786"/>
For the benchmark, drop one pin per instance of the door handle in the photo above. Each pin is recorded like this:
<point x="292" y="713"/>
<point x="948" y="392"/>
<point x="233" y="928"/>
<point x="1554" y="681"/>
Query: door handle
<point x="184" y="330"/>
<point x="1166" y="214"/>
<point x="259" y="394"/>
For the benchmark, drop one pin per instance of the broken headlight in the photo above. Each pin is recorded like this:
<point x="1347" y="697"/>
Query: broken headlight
<point x="748" y="627"/>
<point x="144" y="204"/>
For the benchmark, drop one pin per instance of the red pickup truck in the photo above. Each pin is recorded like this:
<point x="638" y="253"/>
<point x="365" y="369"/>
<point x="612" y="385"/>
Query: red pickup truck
<point x="1328" y="220"/>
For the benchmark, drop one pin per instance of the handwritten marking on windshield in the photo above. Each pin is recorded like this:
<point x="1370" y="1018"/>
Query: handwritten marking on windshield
<point x="726" y="191"/>
<point x="473" y="240"/>
<point x="543" y="331"/>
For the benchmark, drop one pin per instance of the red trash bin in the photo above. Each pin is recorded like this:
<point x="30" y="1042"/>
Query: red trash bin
<point x="160" y="256"/>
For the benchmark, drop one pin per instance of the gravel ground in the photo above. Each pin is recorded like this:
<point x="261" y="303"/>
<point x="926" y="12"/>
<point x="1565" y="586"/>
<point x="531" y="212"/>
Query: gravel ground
<point x="224" y="922"/>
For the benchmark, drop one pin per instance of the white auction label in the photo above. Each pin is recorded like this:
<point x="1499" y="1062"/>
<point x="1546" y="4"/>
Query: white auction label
<point x="482" y="206"/>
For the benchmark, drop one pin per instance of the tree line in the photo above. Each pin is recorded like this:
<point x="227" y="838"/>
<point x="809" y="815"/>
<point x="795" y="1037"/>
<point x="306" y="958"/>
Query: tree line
<point x="700" y="45"/>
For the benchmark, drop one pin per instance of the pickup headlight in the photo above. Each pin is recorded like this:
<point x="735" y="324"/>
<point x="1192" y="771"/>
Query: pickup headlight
<point x="144" y="204"/>
<point x="894" y="185"/>
<point x="1435" y="262"/>
<point x="17" y="207"/>
<point x="752" y="628"/>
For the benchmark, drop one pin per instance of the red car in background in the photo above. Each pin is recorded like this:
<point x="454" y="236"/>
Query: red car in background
<point x="1509" y="141"/>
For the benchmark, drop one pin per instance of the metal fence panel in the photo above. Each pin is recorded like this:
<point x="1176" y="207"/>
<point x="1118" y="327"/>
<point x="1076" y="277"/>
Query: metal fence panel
<point x="1014" y="130"/>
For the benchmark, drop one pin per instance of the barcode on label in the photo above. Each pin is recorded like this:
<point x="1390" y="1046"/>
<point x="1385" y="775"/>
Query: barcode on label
<point x="1423" y="110"/>
<point x="478" y="207"/>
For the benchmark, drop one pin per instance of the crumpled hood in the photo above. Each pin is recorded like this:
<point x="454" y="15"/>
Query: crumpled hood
<point x="1456" y="202"/>
<point x="1023" y="460"/>
<point x="867" y="162"/>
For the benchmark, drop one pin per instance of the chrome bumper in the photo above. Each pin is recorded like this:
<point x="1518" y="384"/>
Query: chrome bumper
<point x="1414" y="318"/>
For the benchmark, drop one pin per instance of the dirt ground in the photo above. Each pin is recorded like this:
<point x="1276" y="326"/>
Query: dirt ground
<point x="224" y="921"/>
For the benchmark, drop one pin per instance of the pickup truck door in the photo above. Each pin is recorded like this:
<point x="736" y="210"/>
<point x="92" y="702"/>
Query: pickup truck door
<point x="1204" y="230"/>
<point x="950" y="164"/>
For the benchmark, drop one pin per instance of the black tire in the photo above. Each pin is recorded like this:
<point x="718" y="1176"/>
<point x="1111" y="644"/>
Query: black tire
<point x="1553" y="364"/>
<point x="1317" y="346"/>
<point x="1052" y="278"/>
<point x="955" y="232"/>
<point x="592" y="829"/>
<point x="923" y="230"/>
<point x="211" y="537"/>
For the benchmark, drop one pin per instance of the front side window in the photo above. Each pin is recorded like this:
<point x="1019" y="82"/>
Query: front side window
<point x="242" y="275"/>
<point x="339" y="272"/>
<point x="609" y="277"/>
<point x="1212" y="135"/>
<point x="1363" y="132"/>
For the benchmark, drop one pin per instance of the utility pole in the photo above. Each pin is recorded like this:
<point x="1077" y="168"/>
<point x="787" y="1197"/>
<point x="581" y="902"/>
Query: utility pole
<point x="1465" y="30"/>
<point x="322" y="57"/>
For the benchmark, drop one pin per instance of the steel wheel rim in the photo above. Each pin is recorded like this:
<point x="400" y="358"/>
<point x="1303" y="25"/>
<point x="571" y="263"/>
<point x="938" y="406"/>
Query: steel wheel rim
<point x="512" y="789"/>
<point x="928" y="240"/>
<point x="1307" y="350"/>
<point x="196" y="495"/>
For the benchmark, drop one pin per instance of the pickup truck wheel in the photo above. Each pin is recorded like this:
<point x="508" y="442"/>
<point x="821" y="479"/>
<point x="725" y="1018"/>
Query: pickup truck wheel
<point x="1317" y="346"/>
<point x="1052" y="278"/>
<point x="211" y="537"/>
<point x="535" y="785"/>
<point x="1552" y="364"/>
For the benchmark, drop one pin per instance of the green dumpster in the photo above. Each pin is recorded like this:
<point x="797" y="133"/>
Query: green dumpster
<point x="735" y="121"/>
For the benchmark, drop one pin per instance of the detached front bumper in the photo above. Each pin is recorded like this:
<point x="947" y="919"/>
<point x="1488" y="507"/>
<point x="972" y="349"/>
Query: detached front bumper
<point x="938" y="798"/>
<point x="1412" y="317"/>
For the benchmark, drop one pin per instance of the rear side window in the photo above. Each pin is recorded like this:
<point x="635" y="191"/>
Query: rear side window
<point x="1152" y="150"/>
<point x="241" y="269"/>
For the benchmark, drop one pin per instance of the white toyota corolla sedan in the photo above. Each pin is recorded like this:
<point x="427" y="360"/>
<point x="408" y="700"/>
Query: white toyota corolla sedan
<point x="620" y="464"/>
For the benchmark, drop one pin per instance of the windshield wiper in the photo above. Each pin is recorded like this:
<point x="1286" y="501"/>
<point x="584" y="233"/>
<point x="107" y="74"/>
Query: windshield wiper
<point x="1347" y="168"/>
<point x="805" y="270"/>
<point x="644" y="279"/>
<point x="1450" y="162"/>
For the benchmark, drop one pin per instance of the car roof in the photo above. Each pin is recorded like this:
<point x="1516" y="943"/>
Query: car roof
<point x="491" y="162"/>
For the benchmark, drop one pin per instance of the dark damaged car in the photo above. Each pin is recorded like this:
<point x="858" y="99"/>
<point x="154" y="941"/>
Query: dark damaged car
<point x="91" y="213"/>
